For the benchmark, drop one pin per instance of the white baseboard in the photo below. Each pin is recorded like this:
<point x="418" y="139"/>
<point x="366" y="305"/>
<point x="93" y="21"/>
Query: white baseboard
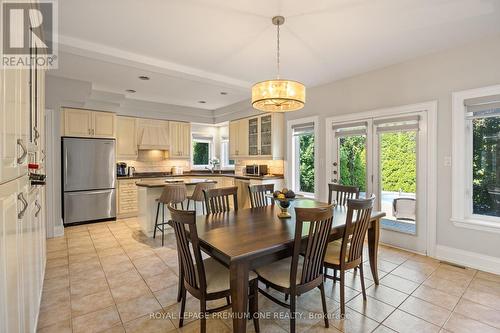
<point x="470" y="259"/>
<point x="58" y="230"/>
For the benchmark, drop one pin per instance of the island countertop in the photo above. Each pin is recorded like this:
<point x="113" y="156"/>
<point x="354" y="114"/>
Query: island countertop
<point x="177" y="180"/>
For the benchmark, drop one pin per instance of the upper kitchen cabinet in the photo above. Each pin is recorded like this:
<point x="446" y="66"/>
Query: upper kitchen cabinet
<point x="14" y="123"/>
<point x="238" y="138"/>
<point x="87" y="123"/>
<point x="126" y="138"/>
<point x="180" y="140"/>
<point x="257" y="137"/>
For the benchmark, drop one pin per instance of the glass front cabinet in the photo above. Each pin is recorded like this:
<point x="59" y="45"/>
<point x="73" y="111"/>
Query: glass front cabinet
<point x="265" y="135"/>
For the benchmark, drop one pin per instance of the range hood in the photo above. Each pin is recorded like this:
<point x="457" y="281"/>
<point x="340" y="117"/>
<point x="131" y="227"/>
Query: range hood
<point x="154" y="138"/>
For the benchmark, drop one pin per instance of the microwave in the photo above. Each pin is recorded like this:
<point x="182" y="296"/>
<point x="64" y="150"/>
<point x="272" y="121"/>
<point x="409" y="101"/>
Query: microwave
<point x="256" y="170"/>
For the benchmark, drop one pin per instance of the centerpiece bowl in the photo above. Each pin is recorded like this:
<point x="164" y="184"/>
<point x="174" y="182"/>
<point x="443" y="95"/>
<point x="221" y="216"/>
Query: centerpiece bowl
<point x="284" y="198"/>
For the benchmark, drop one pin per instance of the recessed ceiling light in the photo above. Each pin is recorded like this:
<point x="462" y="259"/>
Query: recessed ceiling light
<point x="144" y="77"/>
<point x="130" y="91"/>
<point x="202" y="102"/>
<point x="223" y="92"/>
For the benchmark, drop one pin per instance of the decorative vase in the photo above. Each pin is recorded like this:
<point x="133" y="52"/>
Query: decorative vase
<point x="284" y="204"/>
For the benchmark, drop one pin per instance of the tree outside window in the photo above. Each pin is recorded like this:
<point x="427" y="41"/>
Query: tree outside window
<point x="306" y="162"/>
<point x="201" y="152"/>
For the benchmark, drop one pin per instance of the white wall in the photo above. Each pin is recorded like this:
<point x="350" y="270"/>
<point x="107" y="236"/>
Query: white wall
<point x="432" y="77"/>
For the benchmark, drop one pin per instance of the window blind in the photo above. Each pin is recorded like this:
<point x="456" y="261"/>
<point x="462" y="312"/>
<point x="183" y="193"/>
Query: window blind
<point x="202" y="137"/>
<point x="406" y="123"/>
<point x="358" y="128"/>
<point x="482" y="107"/>
<point x="301" y="129"/>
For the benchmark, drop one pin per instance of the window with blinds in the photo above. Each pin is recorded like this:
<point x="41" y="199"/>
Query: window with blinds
<point x="358" y="128"/>
<point x="406" y="123"/>
<point x="483" y="123"/>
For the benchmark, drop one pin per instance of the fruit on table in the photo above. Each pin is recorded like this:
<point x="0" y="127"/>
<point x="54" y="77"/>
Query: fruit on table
<point x="281" y="196"/>
<point x="284" y="194"/>
<point x="290" y="194"/>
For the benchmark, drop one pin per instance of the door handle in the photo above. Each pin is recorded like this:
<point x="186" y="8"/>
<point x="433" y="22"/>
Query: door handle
<point x="20" y="159"/>
<point x="39" y="208"/>
<point x="21" y="198"/>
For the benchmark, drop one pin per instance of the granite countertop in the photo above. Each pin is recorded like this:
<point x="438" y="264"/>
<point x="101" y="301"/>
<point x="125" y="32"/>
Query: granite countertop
<point x="163" y="182"/>
<point x="198" y="174"/>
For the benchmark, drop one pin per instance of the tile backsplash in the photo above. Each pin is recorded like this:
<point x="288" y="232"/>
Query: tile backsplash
<point x="275" y="167"/>
<point x="155" y="161"/>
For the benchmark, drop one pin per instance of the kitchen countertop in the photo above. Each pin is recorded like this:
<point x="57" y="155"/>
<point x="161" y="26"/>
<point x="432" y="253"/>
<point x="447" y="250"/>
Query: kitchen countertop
<point x="198" y="174"/>
<point x="163" y="182"/>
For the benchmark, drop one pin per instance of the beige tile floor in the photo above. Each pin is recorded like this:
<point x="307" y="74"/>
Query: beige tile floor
<point x="109" y="277"/>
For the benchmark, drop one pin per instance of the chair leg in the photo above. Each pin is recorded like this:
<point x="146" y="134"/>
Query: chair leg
<point x="292" y="313"/>
<point x="323" y="301"/>
<point x="286" y="297"/>
<point x="202" y="207"/>
<point x="182" y="205"/>
<point x="183" y="307"/>
<point x="180" y="287"/>
<point x="188" y="205"/>
<point x="342" y="293"/>
<point x="254" y="304"/>
<point x="156" y="219"/>
<point x="203" y="312"/>
<point x="162" y="225"/>
<point x="334" y="275"/>
<point x="361" y="275"/>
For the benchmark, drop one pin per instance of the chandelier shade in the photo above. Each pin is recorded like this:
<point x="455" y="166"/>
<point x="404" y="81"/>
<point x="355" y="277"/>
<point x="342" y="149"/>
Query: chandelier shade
<point x="278" y="95"/>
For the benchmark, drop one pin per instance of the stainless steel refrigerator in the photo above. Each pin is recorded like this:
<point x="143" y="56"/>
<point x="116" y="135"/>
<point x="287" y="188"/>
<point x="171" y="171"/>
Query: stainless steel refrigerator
<point x="88" y="179"/>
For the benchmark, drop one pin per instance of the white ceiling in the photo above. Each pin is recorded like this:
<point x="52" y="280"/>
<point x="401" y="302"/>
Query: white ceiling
<point x="194" y="49"/>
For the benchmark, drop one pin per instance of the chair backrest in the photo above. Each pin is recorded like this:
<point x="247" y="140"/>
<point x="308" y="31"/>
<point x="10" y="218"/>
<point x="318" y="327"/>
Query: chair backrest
<point x="198" y="191"/>
<point x="356" y="225"/>
<point x="342" y="193"/>
<point x="319" y="221"/>
<point x="404" y="209"/>
<point x="258" y="196"/>
<point x="217" y="199"/>
<point x="191" y="262"/>
<point x="173" y="193"/>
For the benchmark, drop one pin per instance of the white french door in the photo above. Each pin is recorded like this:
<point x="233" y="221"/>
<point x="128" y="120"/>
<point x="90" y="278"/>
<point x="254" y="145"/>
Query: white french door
<point x="386" y="156"/>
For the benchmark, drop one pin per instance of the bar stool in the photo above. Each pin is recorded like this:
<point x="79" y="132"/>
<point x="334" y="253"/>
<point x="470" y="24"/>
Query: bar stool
<point x="172" y="193"/>
<point x="198" y="194"/>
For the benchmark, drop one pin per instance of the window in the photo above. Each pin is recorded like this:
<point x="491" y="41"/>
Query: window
<point x="483" y="125"/>
<point x="224" y="154"/>
<point x="202" y="152"/>
<point x="476" y="159"/>
<point x="303" y="152"/>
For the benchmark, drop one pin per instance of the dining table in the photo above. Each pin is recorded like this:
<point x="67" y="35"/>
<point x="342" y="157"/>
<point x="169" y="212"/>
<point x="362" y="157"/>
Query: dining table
<point x="246" y="239"/>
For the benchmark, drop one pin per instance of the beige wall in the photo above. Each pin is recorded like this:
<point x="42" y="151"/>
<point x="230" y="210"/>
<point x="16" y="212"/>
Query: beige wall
<point x="428" y="78"/>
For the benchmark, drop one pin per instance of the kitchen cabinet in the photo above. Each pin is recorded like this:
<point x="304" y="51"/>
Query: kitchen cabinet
<point x="180" y="140"/>
<point x="14" y="116"/>
<point x="88" y="123"/>
<point x="127" y="200"/>
<point x="265" y="136"/>
<point x="238" y="138"/>
<point x="126" y="138"/>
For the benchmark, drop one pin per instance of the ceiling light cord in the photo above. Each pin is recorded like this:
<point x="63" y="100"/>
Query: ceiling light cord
<point x="278" y="51"/>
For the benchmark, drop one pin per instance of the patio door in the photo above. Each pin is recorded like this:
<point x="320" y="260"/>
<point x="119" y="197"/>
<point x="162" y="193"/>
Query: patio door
<point x="386" y="156"/>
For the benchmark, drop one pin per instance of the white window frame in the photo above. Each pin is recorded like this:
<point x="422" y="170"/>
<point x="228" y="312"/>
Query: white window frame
<point x="210" y="153"/>
<point x="224" y="165"/>
<point x="462" y="165"/>
<point x="292" y="168"/>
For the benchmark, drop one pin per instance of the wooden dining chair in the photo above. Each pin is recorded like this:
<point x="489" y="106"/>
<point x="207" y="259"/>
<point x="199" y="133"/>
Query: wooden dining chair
<point x="172" y="193"/>
<point x="217" y="200"/>
<point x="302" y="272"/>
<point x="206" y="280"/>
<point x="258" y="194"/>
<point x="198" y="194"/>
<point x="342" y="193"/>
<point x="347" y="253"/>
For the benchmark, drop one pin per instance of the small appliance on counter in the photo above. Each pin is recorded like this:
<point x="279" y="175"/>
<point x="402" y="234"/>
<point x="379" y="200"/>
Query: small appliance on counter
<point x="121" y="169"/>
<point x="256" y="170"/>
<point x="131" y="171"/>
<point x="177" y="170"/>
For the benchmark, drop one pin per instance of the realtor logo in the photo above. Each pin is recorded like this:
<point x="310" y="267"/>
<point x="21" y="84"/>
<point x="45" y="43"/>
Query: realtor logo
<point x="28" y="34"/>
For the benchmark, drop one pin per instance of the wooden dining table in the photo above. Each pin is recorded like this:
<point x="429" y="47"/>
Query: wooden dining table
<point x="249" y="238"/>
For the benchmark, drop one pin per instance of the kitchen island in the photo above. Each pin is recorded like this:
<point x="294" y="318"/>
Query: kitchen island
<point x="150" y="190"/>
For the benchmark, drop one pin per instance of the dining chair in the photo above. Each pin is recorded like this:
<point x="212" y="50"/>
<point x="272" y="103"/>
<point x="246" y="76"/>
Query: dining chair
<point x="347" y="253"/>
<point x="217" y="199"/>
<point x="198" y="194"/>
<point x="206" y="280"/>
<point x="258" y="194"/>
<point x="302" y="271"/>
<point x="172" y="193"/>
<point x="342" y="193"/>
